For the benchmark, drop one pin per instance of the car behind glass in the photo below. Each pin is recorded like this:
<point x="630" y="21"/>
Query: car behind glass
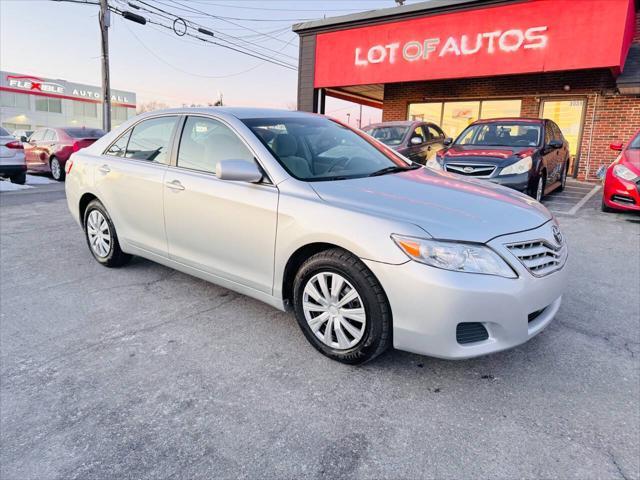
<point x="303" y="213"/>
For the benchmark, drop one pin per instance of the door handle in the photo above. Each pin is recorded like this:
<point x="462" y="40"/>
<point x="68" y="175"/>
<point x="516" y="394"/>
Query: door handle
<point x="175" y="185"/>
<point x="104" y="169"/>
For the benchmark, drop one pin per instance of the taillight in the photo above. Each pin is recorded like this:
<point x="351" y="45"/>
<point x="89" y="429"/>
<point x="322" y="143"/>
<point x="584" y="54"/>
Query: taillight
<point x="15" y="145"/>
<point x="67" y="166"/>
<point x="75" y="147"/>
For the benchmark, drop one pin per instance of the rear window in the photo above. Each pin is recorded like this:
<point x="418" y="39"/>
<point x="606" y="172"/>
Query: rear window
<point x="4" y="133"/>
<point x="84" y="132"/>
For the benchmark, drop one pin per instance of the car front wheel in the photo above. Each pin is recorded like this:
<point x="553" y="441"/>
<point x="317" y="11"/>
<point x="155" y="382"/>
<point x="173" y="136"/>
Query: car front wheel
<point x="538" y="190"/>
<point x="101" y="236"/>
<point x="341" y="307"/>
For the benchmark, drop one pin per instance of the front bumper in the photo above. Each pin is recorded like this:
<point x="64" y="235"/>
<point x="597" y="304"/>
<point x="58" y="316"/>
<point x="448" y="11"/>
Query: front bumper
<point x="621" y="194"/>
<point x="8" y="170"/>
<point x="427" y="303"/>
<point x="517" y="182"/>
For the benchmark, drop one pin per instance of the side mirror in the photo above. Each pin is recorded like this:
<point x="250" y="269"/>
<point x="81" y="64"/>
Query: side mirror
<point x="416" y="140"/>
<point x="555" y="144"/>
<point x="617" y="146"/>
<point x="447" y="141"/>
<point x="238" y="171"/>
<point x="23" y="138"/>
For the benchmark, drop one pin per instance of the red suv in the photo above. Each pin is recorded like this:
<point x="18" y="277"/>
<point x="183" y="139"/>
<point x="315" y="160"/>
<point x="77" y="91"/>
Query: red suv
<point x="622" y="180"/>
<point x="48" y="149"/>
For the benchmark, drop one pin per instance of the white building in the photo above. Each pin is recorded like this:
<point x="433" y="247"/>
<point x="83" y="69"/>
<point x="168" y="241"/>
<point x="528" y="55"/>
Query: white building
<point x="28" y="102"/>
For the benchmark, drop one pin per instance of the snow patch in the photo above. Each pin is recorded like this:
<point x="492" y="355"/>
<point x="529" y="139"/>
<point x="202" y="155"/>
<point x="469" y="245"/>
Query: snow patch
<point x="7" y="186"/>
<point x="38" y="180"/>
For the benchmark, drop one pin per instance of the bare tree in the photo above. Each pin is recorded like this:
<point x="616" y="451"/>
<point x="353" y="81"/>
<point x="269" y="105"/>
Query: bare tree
<point x="151" y="106"/>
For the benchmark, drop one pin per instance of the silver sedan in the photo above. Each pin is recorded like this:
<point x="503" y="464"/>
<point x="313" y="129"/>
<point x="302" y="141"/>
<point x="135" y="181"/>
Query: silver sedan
<point x="306" y="214"/>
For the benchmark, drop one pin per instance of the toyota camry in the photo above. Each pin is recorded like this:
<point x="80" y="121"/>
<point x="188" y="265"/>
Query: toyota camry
<point x="306" y="214"/>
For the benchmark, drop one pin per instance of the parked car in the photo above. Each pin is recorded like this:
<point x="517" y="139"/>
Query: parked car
<point x="366" y="248"/>
<point x="22" y="135"/>
<point x="621" y="190"/>
<point x="418" y="141"/>
<point x="529" y="155"/>
<point x="12" y="164"/>
<point x="48" y="149"/>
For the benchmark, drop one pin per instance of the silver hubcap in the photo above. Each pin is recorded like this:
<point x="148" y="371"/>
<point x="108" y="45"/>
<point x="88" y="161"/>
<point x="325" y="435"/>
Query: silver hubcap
<point x="55" y="168"/>
<point x="98" y="233"/>
<point x="334" y="310"/>
<point x="540" y="189"/>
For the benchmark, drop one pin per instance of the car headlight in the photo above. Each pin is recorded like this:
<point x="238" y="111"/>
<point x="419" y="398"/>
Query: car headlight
<point x="433" y="164"/>
<point x="521" y="166"/>
<point x="459" y="257"/>
<point x="623" y="172"/>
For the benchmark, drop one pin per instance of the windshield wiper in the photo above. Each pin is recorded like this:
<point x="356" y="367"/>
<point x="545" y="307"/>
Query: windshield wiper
<point x="394" y="169"/>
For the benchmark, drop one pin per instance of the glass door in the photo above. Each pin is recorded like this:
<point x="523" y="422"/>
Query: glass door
<point x="569" y="115"/>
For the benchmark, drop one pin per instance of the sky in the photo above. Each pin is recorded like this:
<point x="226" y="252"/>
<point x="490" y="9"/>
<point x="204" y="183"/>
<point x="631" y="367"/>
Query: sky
<point x="62" y="40"/>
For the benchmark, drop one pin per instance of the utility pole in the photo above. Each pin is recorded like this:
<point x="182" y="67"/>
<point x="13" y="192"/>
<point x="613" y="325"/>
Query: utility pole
<point x="360" y="119"/>
<point x="348" y="119"/>
<point x="105" y="23"/>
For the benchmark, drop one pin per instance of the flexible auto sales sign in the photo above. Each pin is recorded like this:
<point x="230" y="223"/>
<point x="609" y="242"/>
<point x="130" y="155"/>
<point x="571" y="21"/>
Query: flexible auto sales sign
<point x="524" y="37"/>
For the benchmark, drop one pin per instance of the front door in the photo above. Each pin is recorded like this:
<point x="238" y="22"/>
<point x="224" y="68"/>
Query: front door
<point x="569" y="116"/>
<point x="225" y="228"/>
<point x="129" y="180"/>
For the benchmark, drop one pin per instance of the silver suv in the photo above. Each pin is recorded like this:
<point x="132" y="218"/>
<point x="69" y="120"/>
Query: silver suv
<point x="304" y="213"/>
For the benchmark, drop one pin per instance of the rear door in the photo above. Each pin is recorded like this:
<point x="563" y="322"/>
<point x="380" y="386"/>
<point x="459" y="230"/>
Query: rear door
<point x="225" y="228"/>
<point x="129" y="179"/>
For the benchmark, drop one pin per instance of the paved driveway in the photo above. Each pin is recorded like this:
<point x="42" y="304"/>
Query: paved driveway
<point x="147" y="373"/>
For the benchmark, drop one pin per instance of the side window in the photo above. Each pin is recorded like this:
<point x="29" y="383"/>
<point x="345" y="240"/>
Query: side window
<point x="418" y="132"/>
<point x="49" y="136"/>
<point x="548" y="133"/>
<point x="37" y="136"/>
<point x="119" y="147"/>
<point x="435" y="132"/>
<point x="151" y="140"/>
<point x="557" y="133"/>
<point x="205" y="142"/>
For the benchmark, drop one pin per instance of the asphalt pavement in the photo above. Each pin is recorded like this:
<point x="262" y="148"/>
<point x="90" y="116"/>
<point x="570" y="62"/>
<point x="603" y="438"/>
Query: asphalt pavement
<point x="146" y="373"/>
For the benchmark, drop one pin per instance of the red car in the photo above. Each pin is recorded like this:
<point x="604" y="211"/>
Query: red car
<point x="622" y="180"/>
<point x="48" y="149"/>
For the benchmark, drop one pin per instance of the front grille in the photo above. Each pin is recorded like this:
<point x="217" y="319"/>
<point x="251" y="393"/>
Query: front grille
<point x="534" y="315"/>
<point x="471" y="332"/>
<point x="539" y="257"/>
<point x="470" y="170"/>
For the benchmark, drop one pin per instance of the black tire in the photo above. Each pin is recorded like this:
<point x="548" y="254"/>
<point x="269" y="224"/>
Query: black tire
<point x="533" y="192"/>
<point x="57" y="173"/>
<point x="563" y="176"/>
<point x="115" y="256"/>
<point x="19" y="178"/>
<point x="377" y="335"/>
<point x="606" y="209"/>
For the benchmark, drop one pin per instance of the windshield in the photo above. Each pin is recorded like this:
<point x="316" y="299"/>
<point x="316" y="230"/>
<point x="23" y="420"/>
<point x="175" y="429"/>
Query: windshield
<point x="84" y="132"/>
<point x="389" y="135"/>
<point x="317" y="148"/>
<point x="498" y="134"/>
<point x="635" y="143"/>
<point x="4" y="133"/>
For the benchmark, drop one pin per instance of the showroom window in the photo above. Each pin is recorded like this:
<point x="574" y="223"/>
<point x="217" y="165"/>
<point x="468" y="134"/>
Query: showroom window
<point x="12" y="127"/>
<point x="53" y="105"/>
<point x="14" y="100"/>
<point x="85" y="109"/>
<point x="119" y="113"/>
<point x="454" y="117"/>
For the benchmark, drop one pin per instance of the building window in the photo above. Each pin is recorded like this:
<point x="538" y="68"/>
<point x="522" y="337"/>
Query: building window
<point x="85" y="109"/>
<point x="119" y="113"/>
<point x="12" y="127"/>
<point x="454" y="117"/>
<point x="14" y="100"/>
<point x="53" y="105"/>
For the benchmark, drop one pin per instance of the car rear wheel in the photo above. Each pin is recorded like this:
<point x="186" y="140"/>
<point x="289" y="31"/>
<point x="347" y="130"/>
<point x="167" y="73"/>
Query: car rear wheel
<point x="101" y="236"/>
<point x="57" y="172"/>
<point x="563" y="177"/>
<point x="342" y="308"/>
<point x="19" y="178"/>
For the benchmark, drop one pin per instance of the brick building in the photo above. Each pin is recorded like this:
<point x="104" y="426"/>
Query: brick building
<point x="454" y="61"/>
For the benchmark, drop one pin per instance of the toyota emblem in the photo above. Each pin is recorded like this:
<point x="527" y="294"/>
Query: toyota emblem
<point x="557" y="234"/>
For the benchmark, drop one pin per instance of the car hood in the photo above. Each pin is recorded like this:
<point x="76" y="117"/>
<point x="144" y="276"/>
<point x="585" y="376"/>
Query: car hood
<point x="499" y="156"/>
<point x="443" y="204"/>
<point x="632" y="157"/>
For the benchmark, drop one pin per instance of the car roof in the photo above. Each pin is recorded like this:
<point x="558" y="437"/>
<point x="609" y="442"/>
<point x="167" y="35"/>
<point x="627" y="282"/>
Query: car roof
<point x="398" y="123"/>
<point x="511" y="119"/>
<point x="238" y="112"/>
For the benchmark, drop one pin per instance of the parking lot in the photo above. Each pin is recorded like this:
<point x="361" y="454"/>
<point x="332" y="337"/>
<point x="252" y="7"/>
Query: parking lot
<point x="144" y="372"/>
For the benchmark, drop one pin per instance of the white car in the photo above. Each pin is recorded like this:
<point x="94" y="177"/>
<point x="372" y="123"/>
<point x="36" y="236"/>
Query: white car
<point x="12" y="161"/>
<point x="304" y="213"/>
